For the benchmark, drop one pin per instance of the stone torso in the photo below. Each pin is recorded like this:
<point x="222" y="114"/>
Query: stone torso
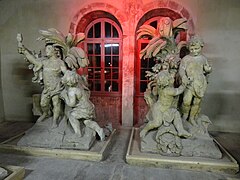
<point x="52" y="75"/>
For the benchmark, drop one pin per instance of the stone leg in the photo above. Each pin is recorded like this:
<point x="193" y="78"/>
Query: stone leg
<point x="179" y="126"/>
<point x="150" y="125"/>
<point x="186" y="105"/>
<point x="194" y="110"/>
<point x="45" y="105"/>
<point x="94" y="126"/>
<point x="56" y="110"/>
<point x="75" y="124"/>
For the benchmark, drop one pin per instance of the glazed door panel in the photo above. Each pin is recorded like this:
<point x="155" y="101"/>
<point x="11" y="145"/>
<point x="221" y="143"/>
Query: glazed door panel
<point x="108" y="109"/>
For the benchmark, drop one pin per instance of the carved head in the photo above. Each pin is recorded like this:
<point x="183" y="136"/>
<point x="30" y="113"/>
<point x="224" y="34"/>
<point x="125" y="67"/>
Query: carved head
<point x="70" y="78"/>
<point x="164" y="78"/>
<point x="195" y="45"/>
<point x="50" y="50"/>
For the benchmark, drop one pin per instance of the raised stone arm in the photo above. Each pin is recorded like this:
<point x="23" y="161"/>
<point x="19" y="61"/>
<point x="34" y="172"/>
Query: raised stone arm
<point x="27" y="53"/>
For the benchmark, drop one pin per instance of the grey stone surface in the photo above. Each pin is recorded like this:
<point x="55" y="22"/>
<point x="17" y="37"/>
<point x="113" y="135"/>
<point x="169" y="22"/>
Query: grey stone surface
<point x="3" y="173"/>
<point x="113" y="168"/>
<point x="43" y="135"/>
<point x="198" y="147"/>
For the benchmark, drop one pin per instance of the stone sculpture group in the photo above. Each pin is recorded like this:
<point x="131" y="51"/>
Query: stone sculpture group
<point x="56" y="72"/>
<point x="174" y="124"/>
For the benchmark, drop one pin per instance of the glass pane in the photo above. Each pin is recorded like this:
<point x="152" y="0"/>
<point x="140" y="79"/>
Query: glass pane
<point x="90" y="58"/>
<point x="108" y="61"/>
<point x="97" y="85"/>
<point x="90" y="73"/>
<point x="98" y="61"/>
<point x="115" y="48"/>
<point x="97" y="30"/>
<point x="151" y="63"/>
<point x="108" y="73"/>
<point x="115" y="33"/>
<point x="97" y="48"/>
<point x="143" y="74"/>
<point x="90" y="33"/>
<point x="144" y="63"/>
<point x="143" y="45"/>
<point x="90" y="84"/>
<point x="154" y="24"/>
<point x="107" y="48"/>
<point x="143" y="86"/>
<point x="107" y="30"/>
<point x="115" y="73"/>
<point x="114" y="86"/>
<point x="108" y="86"/>
<point x="90" y="48"/>
<point x="97" y="73"/>
<point x="115" y="62"/>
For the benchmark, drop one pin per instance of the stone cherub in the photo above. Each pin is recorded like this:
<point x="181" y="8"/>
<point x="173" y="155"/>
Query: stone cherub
<point x="163" y="112"/>
<point x="76" y="96"/>
<point x="195" y="67"/>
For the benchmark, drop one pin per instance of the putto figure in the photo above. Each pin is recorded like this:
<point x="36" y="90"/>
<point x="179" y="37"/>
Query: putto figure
<point x="195" y="67"/>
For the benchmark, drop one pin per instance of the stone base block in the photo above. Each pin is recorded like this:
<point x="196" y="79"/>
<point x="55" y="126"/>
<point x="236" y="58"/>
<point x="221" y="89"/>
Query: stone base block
<point x="226" y="164"/>
<point x="44" y="136"/>
<point x="14" y="172"/>
<point x="98" y="151"/>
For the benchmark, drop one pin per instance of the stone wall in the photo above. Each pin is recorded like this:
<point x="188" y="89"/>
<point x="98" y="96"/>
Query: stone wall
<point x="215" y="20"/>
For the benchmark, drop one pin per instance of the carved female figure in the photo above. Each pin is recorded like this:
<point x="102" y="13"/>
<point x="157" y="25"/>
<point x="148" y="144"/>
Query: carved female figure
<point x="77" y="98"/>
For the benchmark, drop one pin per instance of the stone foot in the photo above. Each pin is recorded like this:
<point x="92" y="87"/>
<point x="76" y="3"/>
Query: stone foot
<point x="101" y="134"/>
<point x="54" y="125"/>
<point x="184" y="133"/>
<point x="143" y="133"/>
<point x="41" y="118"/>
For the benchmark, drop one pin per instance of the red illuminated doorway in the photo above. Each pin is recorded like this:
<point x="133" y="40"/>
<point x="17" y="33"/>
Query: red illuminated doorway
<point x="103" y="45"/>
<point x="143" y="65"/>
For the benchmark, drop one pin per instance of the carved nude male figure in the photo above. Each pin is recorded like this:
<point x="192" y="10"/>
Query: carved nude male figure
<point x="52" y="69"/>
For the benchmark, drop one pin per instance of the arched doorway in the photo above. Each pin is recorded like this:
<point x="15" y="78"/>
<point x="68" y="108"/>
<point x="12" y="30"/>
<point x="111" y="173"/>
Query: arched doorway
<point x="142" y="65"/>
<point x="103" y="45"/>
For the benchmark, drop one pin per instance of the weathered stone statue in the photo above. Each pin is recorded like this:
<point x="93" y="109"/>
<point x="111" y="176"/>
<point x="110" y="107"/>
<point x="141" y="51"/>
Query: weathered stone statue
<point x="50" y="69"/>
<point x="194" y="67"/>
<point x="82" y="109"/>
<point x="164" y="116"/>
<point x="61" y="85"/>
<point x="167" y="132"/>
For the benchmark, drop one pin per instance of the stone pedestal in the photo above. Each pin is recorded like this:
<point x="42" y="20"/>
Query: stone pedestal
<point x="134" y="156"/>
<point x="12" y="172"/>
<point x="44" y="136"/>
<point x="3" y="173"/>
<point x="196" y="147"/>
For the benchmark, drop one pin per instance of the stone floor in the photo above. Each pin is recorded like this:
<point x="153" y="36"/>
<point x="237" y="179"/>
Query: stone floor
<point x="113" y="168"/>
